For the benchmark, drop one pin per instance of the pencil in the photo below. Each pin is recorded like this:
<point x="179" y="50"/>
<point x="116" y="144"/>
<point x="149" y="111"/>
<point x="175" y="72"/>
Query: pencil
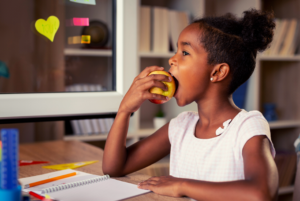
<point x="49" y="180"/>
<point x="36" y="195"/>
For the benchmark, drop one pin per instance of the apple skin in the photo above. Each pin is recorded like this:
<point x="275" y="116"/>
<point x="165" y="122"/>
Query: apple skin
<point x="156" y="90"/>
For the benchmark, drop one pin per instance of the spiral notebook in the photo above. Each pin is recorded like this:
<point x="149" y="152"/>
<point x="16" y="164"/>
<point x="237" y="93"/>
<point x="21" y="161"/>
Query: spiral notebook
<point x="83" y="186"/>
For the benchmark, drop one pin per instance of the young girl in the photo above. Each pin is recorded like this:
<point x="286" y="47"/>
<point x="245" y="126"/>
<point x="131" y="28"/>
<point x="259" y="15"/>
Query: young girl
<point x="221" y="152"/>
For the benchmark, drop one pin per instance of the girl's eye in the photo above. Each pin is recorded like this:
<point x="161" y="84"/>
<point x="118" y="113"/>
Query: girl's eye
<point x="185" y="53"/>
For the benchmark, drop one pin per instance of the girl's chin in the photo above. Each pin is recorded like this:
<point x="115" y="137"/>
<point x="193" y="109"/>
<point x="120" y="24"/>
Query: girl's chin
<point x="179" y="102"/>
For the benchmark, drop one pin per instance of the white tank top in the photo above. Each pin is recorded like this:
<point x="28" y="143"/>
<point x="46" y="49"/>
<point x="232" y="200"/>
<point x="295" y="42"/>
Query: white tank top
<point x="215" y="159"/>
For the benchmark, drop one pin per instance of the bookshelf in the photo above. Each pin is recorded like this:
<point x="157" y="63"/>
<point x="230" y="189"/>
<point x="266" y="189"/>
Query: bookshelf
<point x="274" y="79"/>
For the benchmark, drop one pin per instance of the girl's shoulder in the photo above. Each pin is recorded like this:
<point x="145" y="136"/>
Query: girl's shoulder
<point x="250" y="121"/>
<point x="251" y="124"/>
<point x="251" y="116"/>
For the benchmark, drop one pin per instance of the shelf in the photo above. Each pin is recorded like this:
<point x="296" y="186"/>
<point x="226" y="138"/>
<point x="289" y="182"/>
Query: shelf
<point x="278" y="58"/>
<point x="86" y="52"/>
<point x="86" y="137"/>
<point x="284" y="124"/>
<point x="156" y="55"/>
<point x="92" y="137"/>
<point x="285" y="190"/>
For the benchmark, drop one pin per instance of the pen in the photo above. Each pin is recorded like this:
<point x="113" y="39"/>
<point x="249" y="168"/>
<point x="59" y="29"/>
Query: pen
<point x="49" y="180"/>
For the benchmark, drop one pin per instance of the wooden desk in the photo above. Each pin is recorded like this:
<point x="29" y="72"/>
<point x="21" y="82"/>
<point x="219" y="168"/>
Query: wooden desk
<point x="58" y="152"/>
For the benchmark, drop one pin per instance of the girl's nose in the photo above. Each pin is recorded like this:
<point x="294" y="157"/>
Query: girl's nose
<point x="172" y="61"/>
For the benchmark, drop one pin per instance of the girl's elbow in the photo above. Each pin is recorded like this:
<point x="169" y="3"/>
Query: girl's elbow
<point x="264" y="196"/>
<point x="111" y="172"/>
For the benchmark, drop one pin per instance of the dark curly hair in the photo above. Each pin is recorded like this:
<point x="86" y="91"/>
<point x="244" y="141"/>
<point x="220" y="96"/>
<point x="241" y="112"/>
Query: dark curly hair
<point x="236" y="41"/>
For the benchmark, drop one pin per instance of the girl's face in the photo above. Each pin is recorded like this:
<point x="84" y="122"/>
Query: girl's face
<point x="189" y="66"/>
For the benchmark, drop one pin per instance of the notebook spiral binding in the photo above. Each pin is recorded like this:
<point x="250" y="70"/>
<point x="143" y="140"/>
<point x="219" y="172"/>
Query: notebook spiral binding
<point x="74" y="184"/>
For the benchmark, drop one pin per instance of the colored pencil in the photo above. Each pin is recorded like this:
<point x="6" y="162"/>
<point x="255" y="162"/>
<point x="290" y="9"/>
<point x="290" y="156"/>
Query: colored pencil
<point x="49" y="180"/>
<point x="36" y="195"/>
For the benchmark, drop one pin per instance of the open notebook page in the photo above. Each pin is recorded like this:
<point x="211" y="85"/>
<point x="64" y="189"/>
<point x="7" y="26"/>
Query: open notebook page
<point x="107" y="190"/>
<point x="110" y="189"/>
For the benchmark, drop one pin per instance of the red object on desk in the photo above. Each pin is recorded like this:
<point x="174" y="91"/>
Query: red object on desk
<point x="24" y="162"/>
<point x="36" y="195"/>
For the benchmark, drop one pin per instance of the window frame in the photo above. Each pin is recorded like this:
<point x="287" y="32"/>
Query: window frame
<point x="17" y="107"/>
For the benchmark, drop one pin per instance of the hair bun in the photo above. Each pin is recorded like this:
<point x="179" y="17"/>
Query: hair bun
<point x="257" y="31"/>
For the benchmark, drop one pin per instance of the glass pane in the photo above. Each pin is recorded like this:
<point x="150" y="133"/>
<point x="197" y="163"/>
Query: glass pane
<point x="56" y="46"/>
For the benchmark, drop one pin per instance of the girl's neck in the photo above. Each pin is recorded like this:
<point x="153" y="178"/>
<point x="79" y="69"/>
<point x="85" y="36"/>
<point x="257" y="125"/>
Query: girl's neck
<point x="217" y="110"/>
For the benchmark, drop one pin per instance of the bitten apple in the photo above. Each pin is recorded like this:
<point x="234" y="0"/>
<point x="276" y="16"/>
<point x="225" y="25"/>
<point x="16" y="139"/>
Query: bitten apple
<point x="156" y="90"/>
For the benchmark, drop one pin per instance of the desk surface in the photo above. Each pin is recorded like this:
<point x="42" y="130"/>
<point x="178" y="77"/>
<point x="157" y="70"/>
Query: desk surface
<point x="58" y="152"/>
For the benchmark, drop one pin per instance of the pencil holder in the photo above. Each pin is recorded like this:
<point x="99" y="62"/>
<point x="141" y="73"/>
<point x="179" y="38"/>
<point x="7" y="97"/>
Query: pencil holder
<point x="11" y="194"/>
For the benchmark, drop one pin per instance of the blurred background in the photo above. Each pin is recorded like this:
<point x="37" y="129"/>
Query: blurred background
<point x="64" y="46"/>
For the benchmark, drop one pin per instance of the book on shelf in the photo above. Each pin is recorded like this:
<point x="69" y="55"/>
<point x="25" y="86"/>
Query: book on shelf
<point x="159" y="28"/>
<point x="76" y="127"/>
<point x="144" y="29"/>
<point x="95" y="126"/>
<point x="285" y="40"/>
<point x="102" y="126"/>
<point x="89" y="126"/>
<point x="160" y="35"/>
<point x="288" y="40"/>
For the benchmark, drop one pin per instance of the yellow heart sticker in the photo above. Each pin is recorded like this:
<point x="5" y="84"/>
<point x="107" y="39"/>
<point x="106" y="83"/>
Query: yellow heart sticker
<point x="48" y="28"/>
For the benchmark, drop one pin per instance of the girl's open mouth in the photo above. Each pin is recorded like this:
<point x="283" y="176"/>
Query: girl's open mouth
<point x="176" y="83"/>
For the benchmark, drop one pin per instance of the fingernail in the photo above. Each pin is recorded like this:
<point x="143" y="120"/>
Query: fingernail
<point x="170" y="78"/>
<point x="161" y="67"/>
<point x="167" y="98"/>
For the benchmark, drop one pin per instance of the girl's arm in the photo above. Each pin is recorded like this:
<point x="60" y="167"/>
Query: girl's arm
<point x="119" y="160"/>
<point x="260" y="184"/>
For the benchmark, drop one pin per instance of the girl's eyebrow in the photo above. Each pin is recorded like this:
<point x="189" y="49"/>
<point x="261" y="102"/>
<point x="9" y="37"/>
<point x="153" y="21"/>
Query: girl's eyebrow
<point x="183" y="43"/>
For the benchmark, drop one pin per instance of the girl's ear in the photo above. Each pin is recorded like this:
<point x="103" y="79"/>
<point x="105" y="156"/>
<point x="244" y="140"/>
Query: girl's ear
<point x="220" y="72"/>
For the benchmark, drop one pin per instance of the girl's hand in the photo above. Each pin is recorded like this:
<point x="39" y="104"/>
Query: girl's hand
<point x="139" y="90"/>
<point x="164" y="185"/>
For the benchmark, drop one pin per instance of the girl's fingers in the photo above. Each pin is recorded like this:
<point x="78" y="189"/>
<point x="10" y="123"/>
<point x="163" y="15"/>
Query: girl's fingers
<point x="151" y="182"/>
<point x="146" y="186"/>
<point x="148" y="95"/>
<point x="153" y="83"/>
<point x="154" y="79"/>
<point x="159" y="77"/>
<point x="154" y="178"/>
<point x="148" y="70"/>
